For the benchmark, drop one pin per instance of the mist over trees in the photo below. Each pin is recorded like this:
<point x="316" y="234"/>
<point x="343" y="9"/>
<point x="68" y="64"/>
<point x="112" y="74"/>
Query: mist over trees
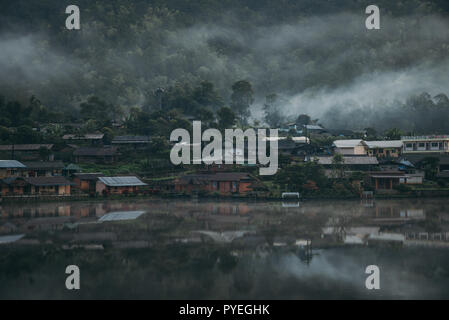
<point x="315" y="56"/>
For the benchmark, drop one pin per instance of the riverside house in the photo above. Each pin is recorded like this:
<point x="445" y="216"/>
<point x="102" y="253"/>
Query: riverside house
<point x="119" y="185"/>
<point x="15" y="186"/>
<point x="11" y="168"/>
<point x="220" y="182"/>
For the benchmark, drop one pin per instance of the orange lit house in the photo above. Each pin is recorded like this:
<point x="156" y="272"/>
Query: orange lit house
<point x="35" y="186"/>
<point x="221" y="182"/>
<point x="119" y="185"/>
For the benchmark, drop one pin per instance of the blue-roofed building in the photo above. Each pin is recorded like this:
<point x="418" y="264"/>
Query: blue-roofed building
<point x="11" y="168"/>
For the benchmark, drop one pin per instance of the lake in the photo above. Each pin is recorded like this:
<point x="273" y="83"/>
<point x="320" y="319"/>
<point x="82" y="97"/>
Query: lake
<point x="194" y="249"/>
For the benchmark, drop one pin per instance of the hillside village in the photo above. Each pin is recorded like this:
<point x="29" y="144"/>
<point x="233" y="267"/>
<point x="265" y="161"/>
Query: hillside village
<point x="313" y="161"/>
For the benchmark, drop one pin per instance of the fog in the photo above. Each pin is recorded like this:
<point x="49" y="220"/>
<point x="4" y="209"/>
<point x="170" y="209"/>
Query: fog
<point x="319" y="64"/>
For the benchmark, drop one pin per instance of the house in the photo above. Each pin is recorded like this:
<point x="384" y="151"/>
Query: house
<point x="384" y="149"/>
<point x="312" y="129"/>
<point x="350" y="147"/>
<point x="134" y="141"/>
<point x="95" y="155"/>
<point x="43" y="168"/>
<point x="119" y="185"/>
<point x="56" y="185"/>
<point x="92" y="138"/>
<point x="28" y="151"/>
<point x="11" y="168"/>
<point x="221" y="182"/>
<point x="350" y="164"/>
<point x="387" y="180"/>
<point x="432" y="144"/>
<point x="15" y="186"/>
<point x="87" y="182"/>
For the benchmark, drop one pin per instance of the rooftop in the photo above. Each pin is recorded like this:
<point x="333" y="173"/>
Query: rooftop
<point x="350" y="143"/>
<point x="88" y="176"/>
<point x="87" y="136"/>
<point x="24" y="147"/>
<point x="349" y="160"/>
<point x="11" y="164"/>
<point x="384" y="144"/>
<point x="44" y="164"/>
<point x="130" y="139"/>
<point x="428" y="137"/>
<point x="130" y="181"/>
<point x="95" y="152"/>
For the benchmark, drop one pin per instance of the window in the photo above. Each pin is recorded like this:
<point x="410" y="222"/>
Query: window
<point x="214" y="185"/>
<point x="409" y="146"/>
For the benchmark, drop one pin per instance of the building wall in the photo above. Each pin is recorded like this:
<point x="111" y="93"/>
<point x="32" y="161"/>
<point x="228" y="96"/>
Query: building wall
<point x="358" y="150"/>
<point x="425" y="146"/>
<point x="7" y="173"/>
<point x="100" y="187"/>
<point x="222" y="187"/>
<point x="385" y="152"/>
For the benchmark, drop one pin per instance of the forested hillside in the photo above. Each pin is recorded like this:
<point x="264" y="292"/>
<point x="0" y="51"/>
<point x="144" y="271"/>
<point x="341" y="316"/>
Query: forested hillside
<point x="316" y="56"/>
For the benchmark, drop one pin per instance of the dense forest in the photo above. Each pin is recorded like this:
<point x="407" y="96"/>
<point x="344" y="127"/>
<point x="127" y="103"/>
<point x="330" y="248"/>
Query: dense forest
<point x="294" y="57"/>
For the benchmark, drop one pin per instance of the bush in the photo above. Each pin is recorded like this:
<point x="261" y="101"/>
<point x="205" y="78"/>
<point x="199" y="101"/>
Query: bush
<point x="403" y="187"/>
<point x="442" y="183"/>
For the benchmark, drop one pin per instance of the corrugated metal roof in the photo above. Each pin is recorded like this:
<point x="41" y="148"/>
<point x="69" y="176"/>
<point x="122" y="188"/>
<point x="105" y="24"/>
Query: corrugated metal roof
<point x="121" y="215"/>
<point x="11" y="238"/>
<point x="351" y="143"/>
<point x="25" y="147"/>
<point x="349" y="160"/>
<point x="121" y="181"/>
<point x="131" y="139"/>
<point x="44" y="164"/>
<point x="384" y="144"/>
<point x="11" y="164"/>
<point x="313" y="127"/>
<point x="88" y="136"/>
<point x="95" y="152"/>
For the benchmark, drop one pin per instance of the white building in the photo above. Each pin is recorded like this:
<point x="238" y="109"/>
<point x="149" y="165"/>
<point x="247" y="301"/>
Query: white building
<point x="426" y="144"/>
<point x="350" y="147"/>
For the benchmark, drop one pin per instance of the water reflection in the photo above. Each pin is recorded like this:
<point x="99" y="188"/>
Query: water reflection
<point x="207" y="249"/>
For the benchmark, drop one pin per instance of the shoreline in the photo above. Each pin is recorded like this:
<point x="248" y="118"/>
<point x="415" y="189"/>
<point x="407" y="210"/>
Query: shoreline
<point x="420" y="194"/>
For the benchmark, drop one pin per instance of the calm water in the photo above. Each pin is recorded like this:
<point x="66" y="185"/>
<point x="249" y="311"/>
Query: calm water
<point x="171" y="249"/>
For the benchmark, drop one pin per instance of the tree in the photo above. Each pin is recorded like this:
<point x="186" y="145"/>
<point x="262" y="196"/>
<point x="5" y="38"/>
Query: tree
<point x="272" y="115"/>
<point x="302" y="120"/>
<point x="226" y="118"/>
<point x="394" y="134"/>
<point x="206" y="95"/>
<point x="241" y="99"/>
<point x="338" y="162"/>
<point x="100" y="111"/>
<point x="430" y="167"/>
<point x="371" y="133"/>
